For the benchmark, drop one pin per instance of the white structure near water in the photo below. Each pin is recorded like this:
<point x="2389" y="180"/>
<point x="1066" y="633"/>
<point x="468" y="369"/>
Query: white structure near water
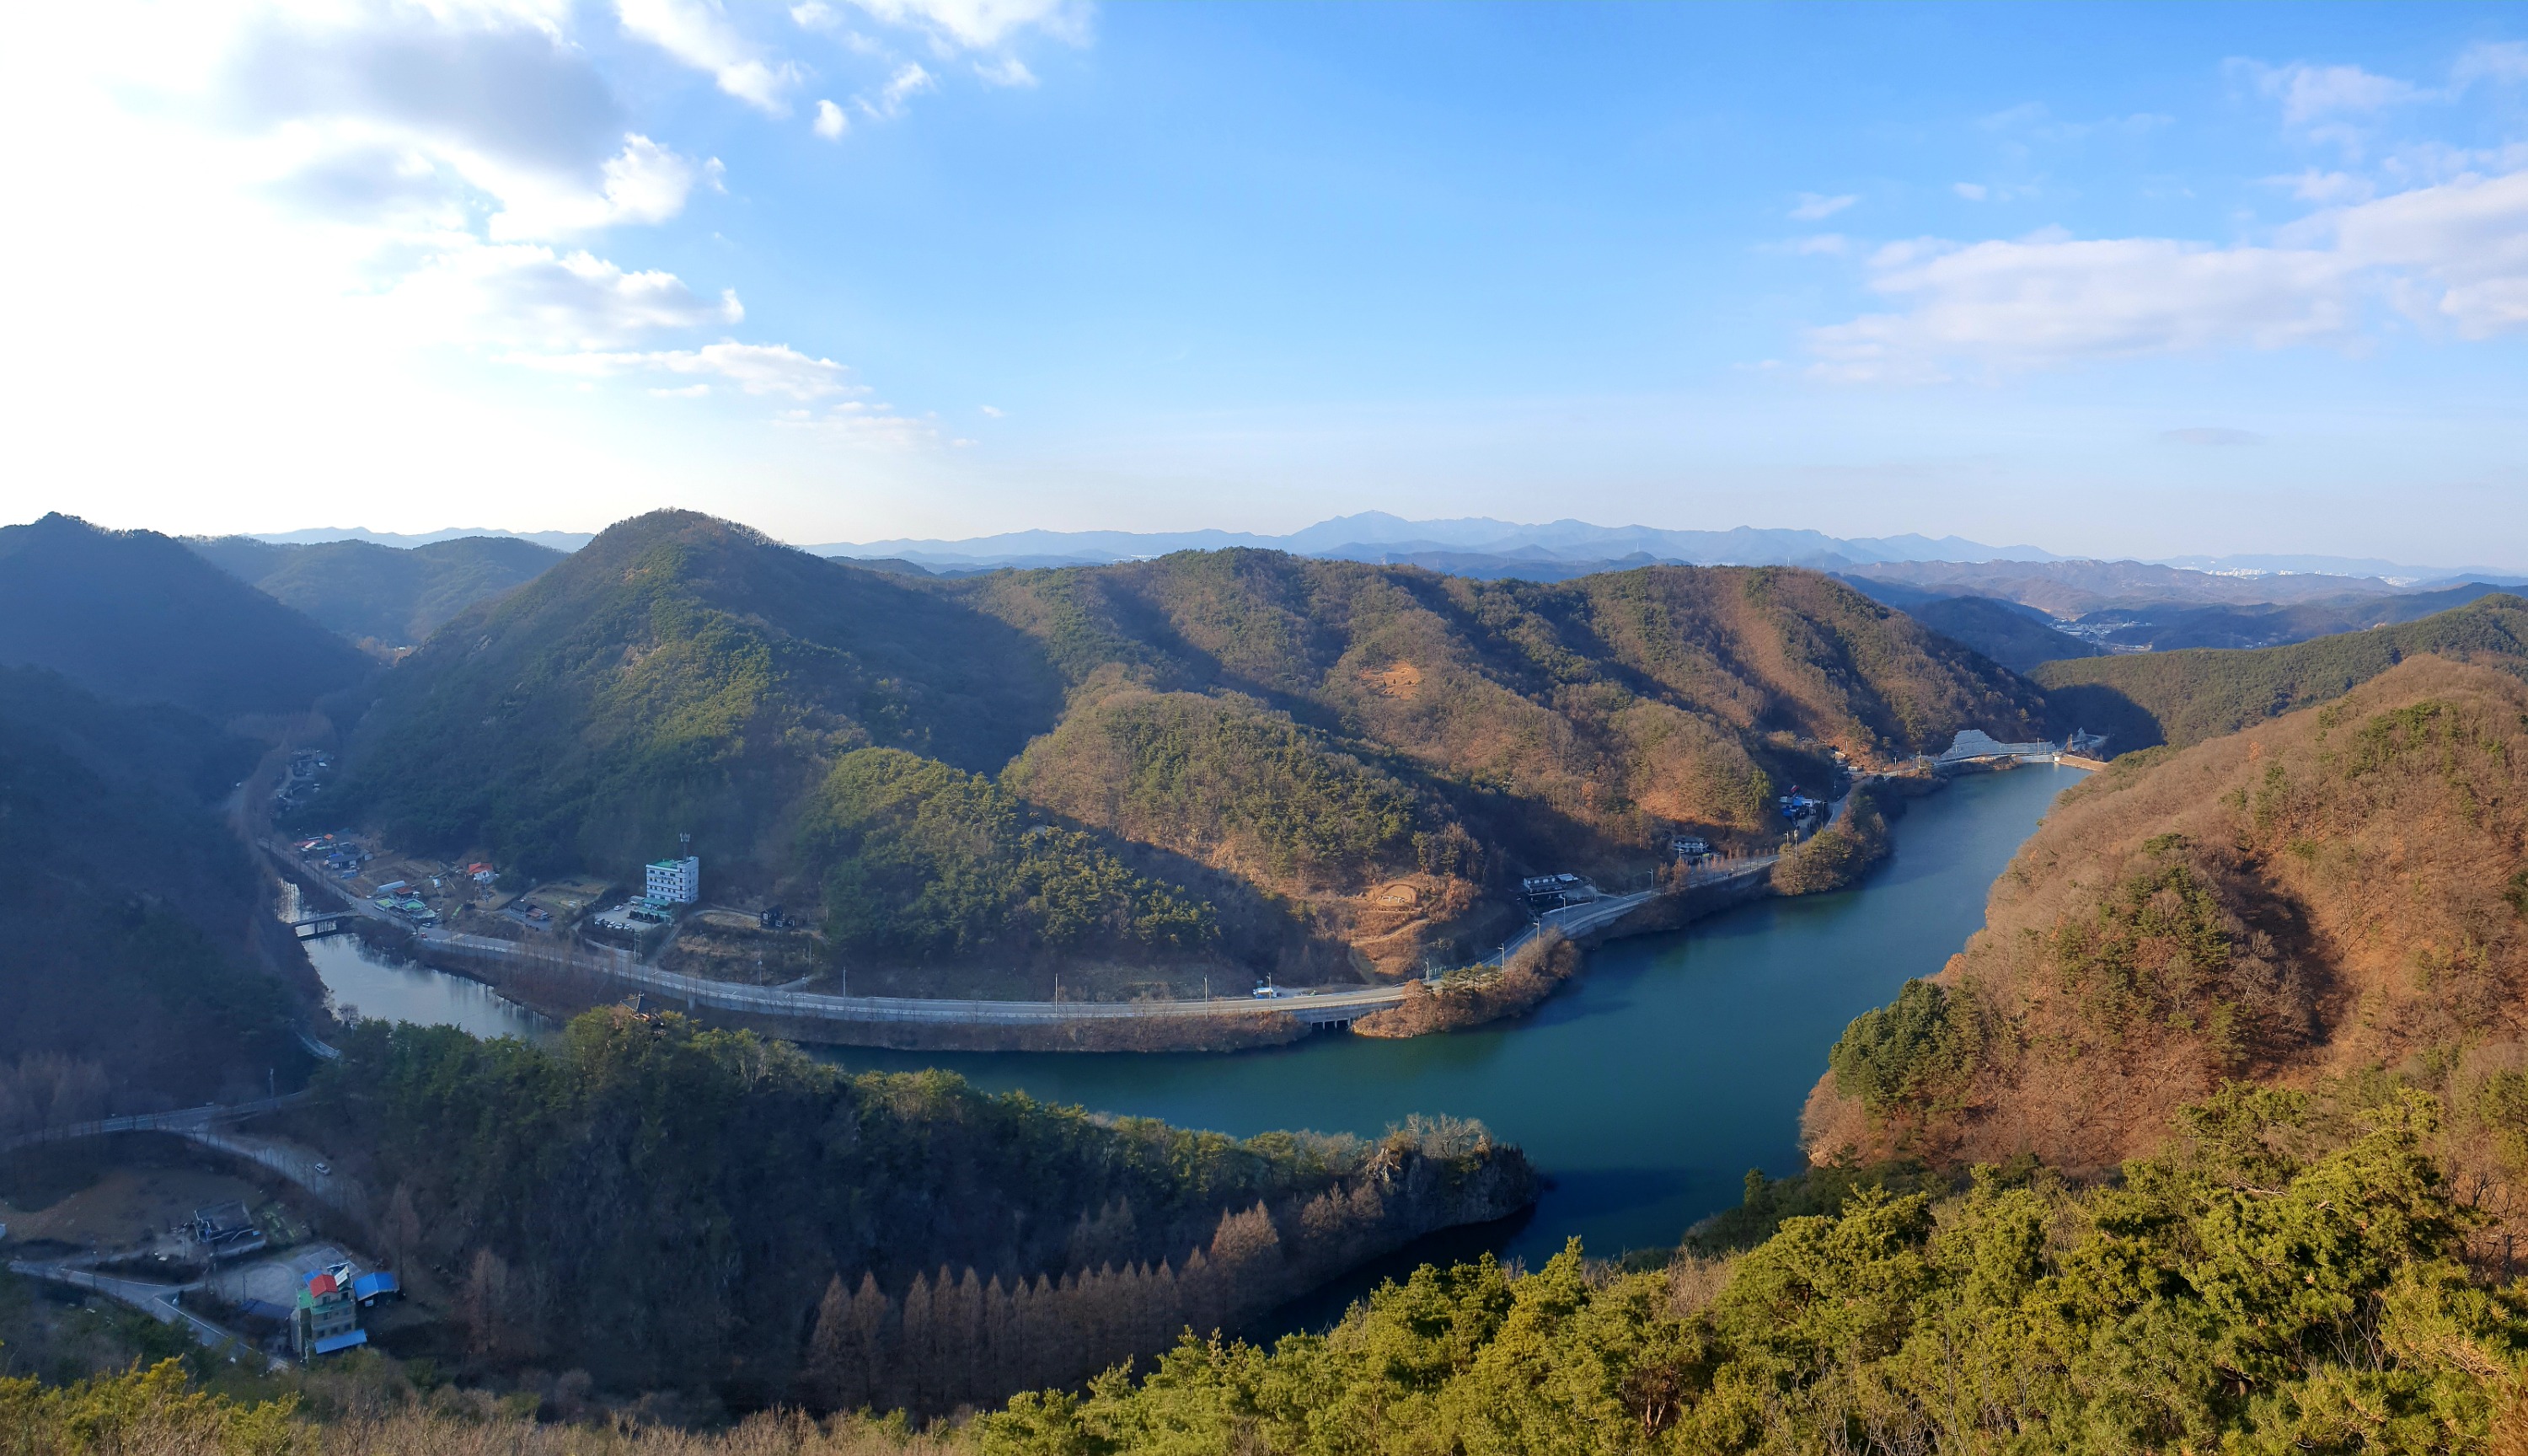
<point x="676" y="882"/>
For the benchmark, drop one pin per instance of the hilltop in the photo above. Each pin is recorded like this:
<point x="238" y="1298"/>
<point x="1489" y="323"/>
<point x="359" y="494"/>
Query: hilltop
<point x="2337" y="889"/>
<point x="380" y="595"/>
<point x="2185" y="697"/>
<point x="1229" y="759"/>
<point x="135" y="616"/>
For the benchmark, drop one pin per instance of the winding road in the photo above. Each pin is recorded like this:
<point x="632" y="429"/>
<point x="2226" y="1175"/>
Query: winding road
<point x="1334" y="1008"/>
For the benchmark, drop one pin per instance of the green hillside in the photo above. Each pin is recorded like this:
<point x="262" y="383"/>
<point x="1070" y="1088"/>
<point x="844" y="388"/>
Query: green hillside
<point x="135" y="616"/>
<point x="2185" y="697"/>
<point x="679" y="674"/>
<point x="370" y="593"/>
<point x="139" y="971"/>
<point x="1227" y="758"/>
<point x="666" y="1207"/>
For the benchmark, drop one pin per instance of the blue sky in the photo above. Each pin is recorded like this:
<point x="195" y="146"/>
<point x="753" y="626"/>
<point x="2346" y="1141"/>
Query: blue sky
<point x="2122" y="281"/>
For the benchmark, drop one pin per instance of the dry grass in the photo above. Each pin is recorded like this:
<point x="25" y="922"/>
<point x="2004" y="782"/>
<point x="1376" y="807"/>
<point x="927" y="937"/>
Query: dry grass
<point x="2362" y="861"/>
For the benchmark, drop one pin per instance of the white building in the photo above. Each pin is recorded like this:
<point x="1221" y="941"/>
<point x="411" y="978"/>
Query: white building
<point x="676" y="882"/>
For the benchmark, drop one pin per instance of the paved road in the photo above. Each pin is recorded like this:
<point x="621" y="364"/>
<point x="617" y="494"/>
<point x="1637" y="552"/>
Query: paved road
<point x="206" y="1125"/>
<point x="157" y="1301"/>
<point x="1321" y="1008"/>
<point x="183" y="1121"/>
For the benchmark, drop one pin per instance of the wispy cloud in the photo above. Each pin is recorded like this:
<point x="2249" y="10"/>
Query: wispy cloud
<point x="1814" y="206"/>
<point x="2450" y="256"/>
<point x="909" y="81"/>
<point x="980" y="24"/>
<point x="2313" y="93"/>
<point x="525" y="295"/>
<point x="755" y="367"/>
<point x="1008" y="70"/>
<point x="698" y="32"/>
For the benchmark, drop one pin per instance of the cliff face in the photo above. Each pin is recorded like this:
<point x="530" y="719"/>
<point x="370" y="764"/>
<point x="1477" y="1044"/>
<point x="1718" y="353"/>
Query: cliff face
<point x="2339" y="889"/>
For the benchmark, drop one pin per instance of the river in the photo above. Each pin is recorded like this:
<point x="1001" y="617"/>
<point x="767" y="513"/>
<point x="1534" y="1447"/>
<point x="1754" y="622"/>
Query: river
<point x="373" y="983"/>
<point x="1645" y="1091"/>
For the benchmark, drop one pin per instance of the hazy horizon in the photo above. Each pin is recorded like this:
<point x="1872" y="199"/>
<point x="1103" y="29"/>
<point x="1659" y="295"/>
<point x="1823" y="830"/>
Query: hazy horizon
<point x="2122" y="283"/>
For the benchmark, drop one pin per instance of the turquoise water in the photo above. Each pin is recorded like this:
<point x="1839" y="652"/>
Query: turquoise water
<point x="1645" y="1091"/>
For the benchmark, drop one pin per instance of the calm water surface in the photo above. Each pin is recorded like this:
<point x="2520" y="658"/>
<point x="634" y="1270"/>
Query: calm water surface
<point x="1646" y="1090"/>
<point x="394" y="989"/>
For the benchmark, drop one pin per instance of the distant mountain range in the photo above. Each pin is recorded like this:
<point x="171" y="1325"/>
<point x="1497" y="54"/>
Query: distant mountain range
<point x="560" y="541"/>
<point x="1376" y="535"/>
<point x="1484" y="548"/>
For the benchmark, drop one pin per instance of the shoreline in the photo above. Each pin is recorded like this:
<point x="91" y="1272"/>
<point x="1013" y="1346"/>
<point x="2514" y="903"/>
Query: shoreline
<point x="560" y="982"/>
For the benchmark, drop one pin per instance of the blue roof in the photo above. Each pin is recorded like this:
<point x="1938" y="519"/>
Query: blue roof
<point x="371" y="1286"/>
<point x="332" y="1342"/>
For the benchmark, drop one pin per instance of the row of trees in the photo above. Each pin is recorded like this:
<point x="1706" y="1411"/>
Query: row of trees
<point x="951" y="1340"/>
<point x="662" y="1206"/>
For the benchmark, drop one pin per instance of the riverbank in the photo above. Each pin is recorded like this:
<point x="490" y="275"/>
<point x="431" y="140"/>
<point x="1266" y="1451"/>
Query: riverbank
<point x="1648" y="1086"/>
<point x="561" y="980"/>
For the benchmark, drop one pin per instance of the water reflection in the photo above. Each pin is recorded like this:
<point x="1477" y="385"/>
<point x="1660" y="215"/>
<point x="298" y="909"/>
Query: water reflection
<point x="396" y="989"/>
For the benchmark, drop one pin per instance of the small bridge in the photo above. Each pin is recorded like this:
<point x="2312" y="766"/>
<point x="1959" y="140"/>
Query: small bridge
<point x="317" y="927"/>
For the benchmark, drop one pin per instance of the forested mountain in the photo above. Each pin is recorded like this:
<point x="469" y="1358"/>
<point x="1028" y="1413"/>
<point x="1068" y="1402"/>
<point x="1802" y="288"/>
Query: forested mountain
<point x="140" y="969"/>
<point x="1240" y="755"/>
<point x="2339" y="889"/>
<point x="135" y="616"/>
<point x="2167" y="627"/>
<point x="2186" y="697"/>
<point x="2069" y="589"/>
<point x="391" y="596"/>
<point x="663" y="1207"/>
<point x="2016" y="637"/>
<point x="680" y="674"/>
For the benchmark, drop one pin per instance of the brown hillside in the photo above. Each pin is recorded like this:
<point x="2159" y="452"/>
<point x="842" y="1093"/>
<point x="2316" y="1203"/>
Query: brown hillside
<point x="2337" y="889"/>
<point x="1384" y="743"/>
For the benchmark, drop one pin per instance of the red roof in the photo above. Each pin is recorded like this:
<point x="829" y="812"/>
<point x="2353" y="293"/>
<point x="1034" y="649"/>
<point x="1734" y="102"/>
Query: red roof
<point x="320" y="1284"/>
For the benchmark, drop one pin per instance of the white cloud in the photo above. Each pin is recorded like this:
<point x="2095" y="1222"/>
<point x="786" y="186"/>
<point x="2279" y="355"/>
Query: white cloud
<point x="1822" y="244"/>
<point x="989" y="412"/>
<point x="698" y="32"/>
<point x="816" y="15"/>
<point x="2464" y="240"/>
<point x="909" y="81"/>
<point x="2496" y="61"/>
<point x="830" y="121"/>
<point x="645" y="182"/>
<point x="1816" y="205"/>
<point x="2452" y="256"/>
<point x="755" y="367"/>
<point x="528" y="296"/>
<point x="1972" y="191"/>
<point x="2048" y="301"/>
<point x="870" y="425"/>
<point x="981" y="25"/>
<point x="2310" y="93"/>
<point x="2313" y="185"/>
<point x="1008" y="70"/>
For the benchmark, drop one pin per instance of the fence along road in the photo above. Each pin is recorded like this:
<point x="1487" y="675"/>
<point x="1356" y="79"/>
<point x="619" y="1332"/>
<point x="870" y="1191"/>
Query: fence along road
<point x="1311" y="1007"/>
